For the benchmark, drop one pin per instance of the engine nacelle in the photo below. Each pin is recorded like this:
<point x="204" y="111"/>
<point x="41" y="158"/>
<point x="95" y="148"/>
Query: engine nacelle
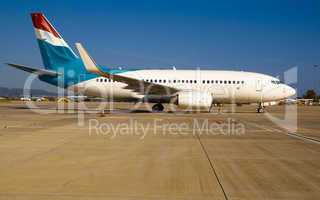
<point x="194" y="99"/>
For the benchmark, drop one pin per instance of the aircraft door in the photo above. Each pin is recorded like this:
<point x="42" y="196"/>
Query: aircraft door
<point x="258" y="85"/>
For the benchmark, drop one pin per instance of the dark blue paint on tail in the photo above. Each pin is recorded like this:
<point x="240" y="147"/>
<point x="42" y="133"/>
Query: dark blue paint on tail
<point x="54" y="56"/>
<point x="64" y="61"/>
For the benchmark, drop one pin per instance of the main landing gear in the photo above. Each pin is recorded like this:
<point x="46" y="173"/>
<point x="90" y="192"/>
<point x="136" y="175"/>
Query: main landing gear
<point x="260" y="108"/>
<point x="157" y="107"/>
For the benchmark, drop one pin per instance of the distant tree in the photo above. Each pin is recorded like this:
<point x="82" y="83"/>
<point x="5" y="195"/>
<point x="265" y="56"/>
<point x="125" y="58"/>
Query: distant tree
<point x="310" y="94"/>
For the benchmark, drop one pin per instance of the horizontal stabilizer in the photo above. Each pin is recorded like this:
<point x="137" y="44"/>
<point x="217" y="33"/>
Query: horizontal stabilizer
<point x="34" y="70"/>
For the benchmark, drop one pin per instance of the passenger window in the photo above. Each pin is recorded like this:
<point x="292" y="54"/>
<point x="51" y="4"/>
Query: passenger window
<point x="229" y="82"/>
<point x="155" y="80"/>
<point x="187" y="81"/>
<point x="238" y="82"/>
<point x="203" y="81"/>
<point x="208" y="81"/>
<point x="234" y="82"/>
<point x="217" y="82"/>
<point x="225" y="82"/>
<point x="212" y="81"/>
<point x="221" y="82"/>
<point x="190" y="81"/>
<point x="182" y="81"/>
<point x="242" y="82"/>
<point x="174" y="81"/>
<point x="195" y="81"/>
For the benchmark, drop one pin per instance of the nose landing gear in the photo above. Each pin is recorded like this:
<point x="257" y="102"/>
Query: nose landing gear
<point x="157" y="107"/>
<point x="260" y="108"/>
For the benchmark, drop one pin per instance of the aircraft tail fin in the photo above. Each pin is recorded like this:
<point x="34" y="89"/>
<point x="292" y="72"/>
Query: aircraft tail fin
<point x="54" y="50"/>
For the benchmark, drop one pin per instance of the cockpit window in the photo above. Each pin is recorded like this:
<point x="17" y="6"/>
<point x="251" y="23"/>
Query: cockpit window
<point x="275" y="82"/>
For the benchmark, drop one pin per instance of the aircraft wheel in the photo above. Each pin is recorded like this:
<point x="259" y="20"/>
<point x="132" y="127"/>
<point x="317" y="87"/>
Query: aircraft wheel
<point x="260" y="110"/>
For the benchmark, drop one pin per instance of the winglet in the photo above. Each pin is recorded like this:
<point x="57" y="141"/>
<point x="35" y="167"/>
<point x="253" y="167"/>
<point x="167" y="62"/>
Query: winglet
<point x="88" y="62"/>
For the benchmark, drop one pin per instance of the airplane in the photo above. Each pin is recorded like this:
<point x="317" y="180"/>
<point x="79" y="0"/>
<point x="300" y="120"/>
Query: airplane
<point x="185" y="88"/>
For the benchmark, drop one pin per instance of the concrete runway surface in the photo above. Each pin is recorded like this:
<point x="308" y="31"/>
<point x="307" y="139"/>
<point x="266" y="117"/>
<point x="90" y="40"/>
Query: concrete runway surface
<point x="142" y="155"/>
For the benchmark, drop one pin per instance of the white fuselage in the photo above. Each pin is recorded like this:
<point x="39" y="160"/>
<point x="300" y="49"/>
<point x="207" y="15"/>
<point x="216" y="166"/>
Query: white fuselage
<point x="224" y="86"/>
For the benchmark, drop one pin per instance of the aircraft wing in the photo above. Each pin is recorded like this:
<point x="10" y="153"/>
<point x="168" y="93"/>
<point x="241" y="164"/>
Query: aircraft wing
<point x="136" y="85"/>
<point x="34" y="70"/>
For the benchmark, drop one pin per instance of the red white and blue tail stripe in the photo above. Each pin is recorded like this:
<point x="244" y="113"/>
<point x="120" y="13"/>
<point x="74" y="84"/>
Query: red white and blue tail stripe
<point x="54" y="50"/>
<point x="45" y="31"/>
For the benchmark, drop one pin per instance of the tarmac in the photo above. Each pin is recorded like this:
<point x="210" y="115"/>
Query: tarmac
<point x="54" y="152"/>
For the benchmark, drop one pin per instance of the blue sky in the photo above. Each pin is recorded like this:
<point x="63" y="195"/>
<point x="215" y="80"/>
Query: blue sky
<point x="263" y="36"/>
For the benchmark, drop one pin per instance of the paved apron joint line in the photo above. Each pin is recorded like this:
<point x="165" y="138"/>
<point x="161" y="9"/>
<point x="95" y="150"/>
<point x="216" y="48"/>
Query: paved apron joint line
<point x="211" y="165"/>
